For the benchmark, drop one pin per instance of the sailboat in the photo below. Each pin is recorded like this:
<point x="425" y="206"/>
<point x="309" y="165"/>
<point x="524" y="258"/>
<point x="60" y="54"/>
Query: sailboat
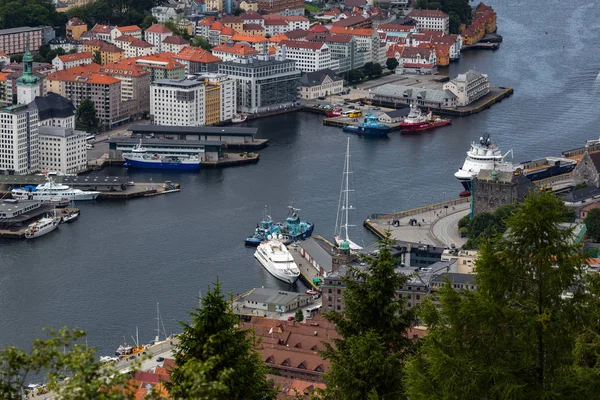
<point x="341" y="221"/>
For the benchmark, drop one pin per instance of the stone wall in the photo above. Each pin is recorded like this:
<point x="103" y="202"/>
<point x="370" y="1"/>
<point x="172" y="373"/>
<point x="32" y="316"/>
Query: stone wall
<point x="585" y="172"/>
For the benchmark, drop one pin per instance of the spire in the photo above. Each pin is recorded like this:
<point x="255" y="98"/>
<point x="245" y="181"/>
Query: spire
<point x="28" y="78"/>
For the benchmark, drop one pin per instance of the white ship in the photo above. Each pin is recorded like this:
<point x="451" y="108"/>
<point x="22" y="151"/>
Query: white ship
<point x="275" y="257"/>
<point x="482" y="155"/>
<point x="341" y="220"/>
<point x="51" y="191"/>
<point x="41" y="227"/>
<point x="140" y="158"/>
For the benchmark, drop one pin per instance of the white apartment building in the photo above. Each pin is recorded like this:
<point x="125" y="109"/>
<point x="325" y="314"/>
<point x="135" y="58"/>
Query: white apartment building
<point x="19" y="139"/>
<point x="72" y="60"/>
<point x="62" y="149"/>
<point x="55" y="110"/>
<point x="433" y="20"/>
<point x="468" y="87"/>
<point x="140" y="48"/>
<point x="131" y="30"/>
<point x="297" y="22"/>
<point x="156" y="34"/>
<point x="309" y="56"/>
<point x="205" y="100"/>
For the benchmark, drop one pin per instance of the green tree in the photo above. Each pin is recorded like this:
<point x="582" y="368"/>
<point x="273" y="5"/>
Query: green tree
<point x="515" y="337"/>
<point x="299" y="315"/>
<point x="217" y="359"/>
<point x="86" y="114"/>
<point x="97" y="57"/>
<point x="148" y="21"/>
<point x="592" y="223"/>
<point x="391" y="63"/>
<point x="61" y="355"/>
<point x="200" y="41"/>
<point x="355" y="75"/>
<point x="372" y="69"/>
<point x="368" y="358"/>
<point x="238" y="11"/>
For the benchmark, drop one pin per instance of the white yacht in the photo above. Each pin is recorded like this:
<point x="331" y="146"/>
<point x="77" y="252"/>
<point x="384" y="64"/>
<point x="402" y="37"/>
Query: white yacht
<point x="52" y="190"/>
<point x="41" y="227"/>
<point x="275" y="257"/>
<point x="482" y="155"/>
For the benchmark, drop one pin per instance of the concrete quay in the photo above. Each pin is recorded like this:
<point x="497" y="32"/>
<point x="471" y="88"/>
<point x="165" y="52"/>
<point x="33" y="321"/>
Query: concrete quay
<point x="436" y="224"/>
<point x="19" y="232"/>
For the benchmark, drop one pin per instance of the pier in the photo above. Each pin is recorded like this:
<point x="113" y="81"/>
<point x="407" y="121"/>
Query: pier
<point x="18" y="232"/>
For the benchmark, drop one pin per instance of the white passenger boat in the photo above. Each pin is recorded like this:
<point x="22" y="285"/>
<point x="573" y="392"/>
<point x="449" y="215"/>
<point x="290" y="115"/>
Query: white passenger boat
<point x="275" y="257"/>
<point x="41" y="227"/>
<point x="50" y="191"/>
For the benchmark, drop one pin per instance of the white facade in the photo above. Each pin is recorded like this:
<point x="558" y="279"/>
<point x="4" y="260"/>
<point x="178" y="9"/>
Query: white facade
<point x="67" y="122"/>
<point x="468" y="87"/>
<point x="432" y="20"/>
<point x="155" y="36"/>
<point x="174" y="48"/>
<point x="295" y="23"/>
<point x="125" y="30"/>
<point x="140" y="51"/>
<point x="62" y="149"/>
<point x="275" y="29"/>
<point x="327" y="87"/>
<point x="27" y="93"/>
<point x="19" y="140"/>
<point x="71" y="60"/>
<point x="309" y="56"/>
<point x="228" y="94"/>
<point x="177" y="102"/>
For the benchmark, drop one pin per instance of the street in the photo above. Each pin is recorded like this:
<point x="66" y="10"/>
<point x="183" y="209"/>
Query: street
<point x="446" y="231"/>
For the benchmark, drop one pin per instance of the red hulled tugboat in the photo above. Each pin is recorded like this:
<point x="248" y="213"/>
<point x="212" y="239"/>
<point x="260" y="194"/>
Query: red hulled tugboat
<point x="416" y="121"/>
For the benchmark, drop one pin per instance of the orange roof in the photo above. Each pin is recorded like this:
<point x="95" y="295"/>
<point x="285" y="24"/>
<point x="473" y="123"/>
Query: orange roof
<point x="101" y="28"/>
<point x="163" y="61"/>
<point x="295" y="18"/>
<point x="141" y="43"/>
<point x="101" y="79"/>
<point x="126" y="38"/>
<point x="85" y="73"/>
<point x="227" y="31"/>
<point x="110" y="48"/>
<point x="216" y="26"/>
<point x="158" y="28"/>
<point x="126" y="66"/>
<point x="196" y="54"/>
<point x="238" y="37"/>
<point x="352" y="31"/>
<point x="3" y="76"/>
<point x="278" y="38"/>
<point x="75" y="56"/>
<point x="129" y="28"/>
<point x="175" y="39"/>
<point x="207" y="21"/>
<point x="236" y="48"/>
<point x="272" y="50"/>
<point x="94" y="42"/>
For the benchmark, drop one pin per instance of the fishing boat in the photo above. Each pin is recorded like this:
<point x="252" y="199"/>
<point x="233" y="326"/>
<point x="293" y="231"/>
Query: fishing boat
<point x="275" y="258"/>
<point x="238" y="119"/>
<point x="342" y="239"/>
<point x="416" y="121"/>
<point x="126" y="350"/>
<point x="370" y="126"/>
<point x="43" y="226"/>
<point x="141" y="158"/>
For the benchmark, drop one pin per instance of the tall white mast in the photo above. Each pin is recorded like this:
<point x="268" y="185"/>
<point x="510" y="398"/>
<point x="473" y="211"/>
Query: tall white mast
<point x="347" y="173"/>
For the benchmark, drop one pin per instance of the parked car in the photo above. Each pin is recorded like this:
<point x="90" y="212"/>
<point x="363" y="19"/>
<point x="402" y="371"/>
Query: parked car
<point x="291" y="318"/>
<point x="377" y="108"/>
<point x="322" y="98"/>
<point x="347" y="99"/>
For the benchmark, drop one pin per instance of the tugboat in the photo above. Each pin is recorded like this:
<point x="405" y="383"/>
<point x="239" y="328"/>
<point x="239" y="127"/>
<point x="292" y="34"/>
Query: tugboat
<point x="264" y="228"/>
<point x="369" y="126"/>
<point x="291" y="231"/>
<point x="294" y="229"/>
<point x="334" y="113"/>
<point x="416" y="121"/>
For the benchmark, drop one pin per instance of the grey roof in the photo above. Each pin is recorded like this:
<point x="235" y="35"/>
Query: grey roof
<point x="54" y="106"/>
<point x="500" y="175"/>
<point x="401" y="112"/>
<point x="19" y="30"/>
<point x="317" y="252"/>
<point x="62" y="40"/>
<point x="469" y="76"/>
<point x="58" y="131"/>
<point x="166" y="142"/>
<point x="201" y="130"/>
<point x="578" y="195"/>
<point x="465" y="279"/>
<point x="273" y="296"/>
<point x="414" y="93"/>
<point x="316" y="78"/>
<point x="182" y="83"/>
<point x="254" y="62"/>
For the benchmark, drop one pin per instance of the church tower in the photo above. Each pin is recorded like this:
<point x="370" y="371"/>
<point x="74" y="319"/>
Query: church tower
<point x="28" y="85"/>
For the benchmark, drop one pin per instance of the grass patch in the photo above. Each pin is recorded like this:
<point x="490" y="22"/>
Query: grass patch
<point x="312" y="9"/>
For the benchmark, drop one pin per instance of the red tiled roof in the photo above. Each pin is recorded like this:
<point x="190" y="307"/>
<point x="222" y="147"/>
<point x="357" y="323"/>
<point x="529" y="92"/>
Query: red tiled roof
<point x="297" y="44"/>
<point x="196" y="54"/>
<point x="253" y="27"/>
<point x="296" y="18"/>
<point x="321" y="37"/>
<point x="318" y="28"/>
<point x="94" y="42"/>
<point x="207" y="21"/>
<point x="142" y="44"/>
<point x="129" y="28"/>
<point x="124" y="67"/>
<point x="250" y="15"/>
<point x="110" y="48"/>
<point x="101" y="28"/>
<point x="353" y="20"/>
<point x="236" y="48"/>
<point x="163" y="58"/>
<point x="414" y="65"/>
<point x="278" y="38"/>
<point x="158" y="28"/>
<point x="227" y="31"/>
<point x="396" y="28"/>
<point x="85" y="73"/>
<point x="126" y="38"/>
<point x="175" y="39"/>
<point x="427" y="14"/>
<point x="216" y="26"/>
<point x="231" y="19"/>
<point x="298" y="33"/>
<point x="76" y="21"/>
<point x="275" y="21"/>
<point x="75" y="56"/>
<point x="238" y="37"/>
<point x="352" y="31"/>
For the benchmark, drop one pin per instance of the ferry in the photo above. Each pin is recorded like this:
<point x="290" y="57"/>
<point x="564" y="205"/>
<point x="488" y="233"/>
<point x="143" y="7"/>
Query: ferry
<point x="52" y="191"/>
<point x="482" y="155"/>
<point x="275" y="257"/>
<point x="416" y="121"/>
<point x="140" y="158"/>
<point x="41" y="227"/>
<point x="370" y="126"/>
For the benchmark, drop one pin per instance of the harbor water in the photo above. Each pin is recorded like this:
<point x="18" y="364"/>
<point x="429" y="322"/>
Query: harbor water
<point x="106" y="272"/>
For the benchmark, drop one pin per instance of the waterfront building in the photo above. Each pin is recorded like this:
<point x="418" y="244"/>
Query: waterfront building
<point x="156" y="34"/>
<point x="367" y="41"/>
<point x="197" y="60"/>
<point x="265" y="300"/>
<point x="320" y="83"/>
<point x="162" y="66"/>
<point x="587" y="170"/>
<point x="72" y="60"/>
<point x="55" y="110"/>
<point x="66" y="44"/>
<point x="264" y="82"/>
<point x="232" y="136"/>
<point x="14" y="40"/>
<point x="208" y="99"/>
<point x="412" y="55"/>
<point x="131" y="30"/>
<point x="393" y="95"/>
<point x="494" y="188"/>
<point x="135" y="85"/>
<point x="434" y="20"/>
<point x="309" y="56"/>
<point x="210" y="151"/>
<point x="282" y="7"/>
<point x="468" y="87"/>
<point x="75" y="28"/>
<point x="19" y="137"/>
<point x="174" y="44"/>
<point x="394" y="116"/>
<point x="62" y="149"/>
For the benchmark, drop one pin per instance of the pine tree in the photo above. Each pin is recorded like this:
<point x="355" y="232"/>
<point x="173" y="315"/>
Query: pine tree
<point x="515" y="337"/>
<point x="367" y="362"/>
<point x="217" y="359"/>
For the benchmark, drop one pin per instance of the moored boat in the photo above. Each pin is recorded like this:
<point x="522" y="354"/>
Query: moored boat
<point x="41" y="227"/>
<point x="238" y="119"/>
<point x="341" y="236"/>
<point x="69" y="216"/>
<point x="275" y="258"/>
<point x="334" y="113"/>
<point x="52" y="191"/>
<point x="369" y="126"/>
<point x="140" y="158"/>
<point x="292" y="230"/>
<point x="416" y="121"/>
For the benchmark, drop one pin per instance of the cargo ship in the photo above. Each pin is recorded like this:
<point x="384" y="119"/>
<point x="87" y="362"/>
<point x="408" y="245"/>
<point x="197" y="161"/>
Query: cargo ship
<point x="370" y="126"/>
<point x="415" y="120"/>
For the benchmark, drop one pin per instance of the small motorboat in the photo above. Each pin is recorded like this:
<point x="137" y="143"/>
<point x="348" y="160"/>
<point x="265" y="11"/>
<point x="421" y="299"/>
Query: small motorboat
<point x="238" y="119"/>
<point x="69" y="217"/>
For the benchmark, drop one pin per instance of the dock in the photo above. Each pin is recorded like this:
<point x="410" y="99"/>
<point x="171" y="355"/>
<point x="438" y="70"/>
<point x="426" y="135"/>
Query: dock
<point x="344" y="121"/>
<point x="307" y="271"/>
<point x="232" y="160"/>
<point x="496" y="95"/>
<point x="19" y="232"/>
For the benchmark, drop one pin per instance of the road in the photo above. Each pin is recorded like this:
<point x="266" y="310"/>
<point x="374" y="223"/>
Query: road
<point x="445" y="229"/>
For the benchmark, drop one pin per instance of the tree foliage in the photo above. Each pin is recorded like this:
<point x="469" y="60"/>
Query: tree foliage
<point x="592" y="223"/>
<point x="368" y="359"/>
<point x="299" y="315"/>
<point x="391" y="63"/>
<point x="372" y="69"/>
<point x="86" y="114"/>
<point x="17" y="13"/>
<point x="518" y="336"/>
<point x="201" y="41"/>
<point x="355" y="75"/>
<point x="97" y="57"/>
<point x="459" y="11"/>
<point x="61" y="355"/>
<point x="115" y="12"/>
<point x="217" y="359"/>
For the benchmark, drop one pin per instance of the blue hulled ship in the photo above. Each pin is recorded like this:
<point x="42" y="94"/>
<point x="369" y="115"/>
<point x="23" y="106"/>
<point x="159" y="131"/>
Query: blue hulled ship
<point x="370" y="126"/>
<point x="292" y="230"/>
